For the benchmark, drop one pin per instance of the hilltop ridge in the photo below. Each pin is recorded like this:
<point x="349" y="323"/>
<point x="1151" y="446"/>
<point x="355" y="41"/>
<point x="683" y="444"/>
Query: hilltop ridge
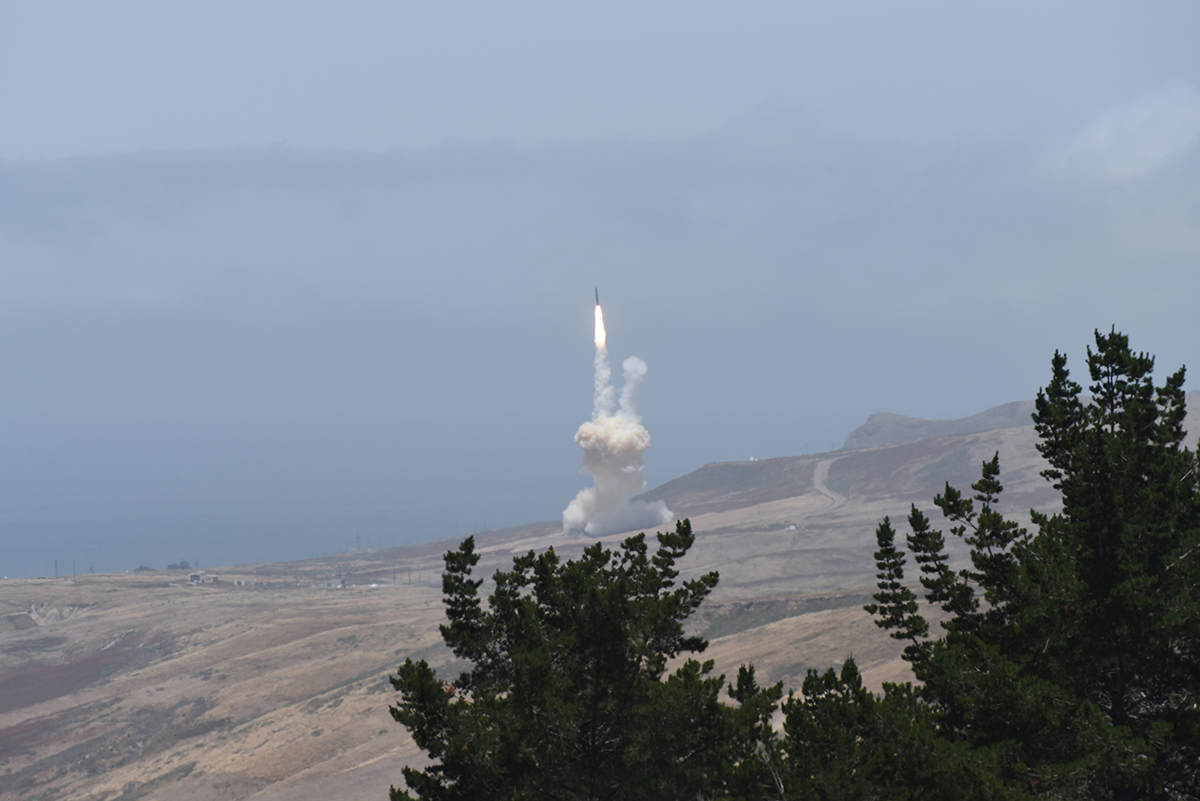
<point x="885" y="428"/>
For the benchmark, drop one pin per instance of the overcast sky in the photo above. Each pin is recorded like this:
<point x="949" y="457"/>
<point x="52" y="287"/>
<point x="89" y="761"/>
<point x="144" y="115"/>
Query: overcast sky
<point x="278" y="276"/>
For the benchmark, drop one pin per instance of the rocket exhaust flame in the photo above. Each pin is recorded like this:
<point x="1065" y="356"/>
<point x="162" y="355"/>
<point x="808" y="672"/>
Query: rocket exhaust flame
<point x="613" y="445"/>
<point x="600" y="336"/>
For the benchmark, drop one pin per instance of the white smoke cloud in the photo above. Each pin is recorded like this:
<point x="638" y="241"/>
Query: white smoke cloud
<point x="613" y="447"/>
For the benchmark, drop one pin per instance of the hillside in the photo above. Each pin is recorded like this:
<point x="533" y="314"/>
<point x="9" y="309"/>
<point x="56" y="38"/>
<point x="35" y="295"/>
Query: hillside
<point x="894" y="429"/>
<point x="885" y="428"/>
<point x="143" y="686"/>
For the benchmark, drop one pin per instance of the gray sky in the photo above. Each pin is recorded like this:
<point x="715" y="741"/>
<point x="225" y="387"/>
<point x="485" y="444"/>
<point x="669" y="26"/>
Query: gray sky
<point x="280" y="275"/>
<point x="114" y="77"/>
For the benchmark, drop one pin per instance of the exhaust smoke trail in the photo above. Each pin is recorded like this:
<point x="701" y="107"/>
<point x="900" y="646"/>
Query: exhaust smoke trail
<point x="613" y="445"/>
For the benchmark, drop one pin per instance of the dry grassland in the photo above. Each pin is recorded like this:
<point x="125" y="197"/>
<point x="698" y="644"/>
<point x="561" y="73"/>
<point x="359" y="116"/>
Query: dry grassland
<point x="141" y="686"/>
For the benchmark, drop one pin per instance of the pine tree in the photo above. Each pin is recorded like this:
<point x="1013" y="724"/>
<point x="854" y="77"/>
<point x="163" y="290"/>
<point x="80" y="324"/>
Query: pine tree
<point x="1070" y="664"/>
<point x="568" y="695"/>
<point x="895" y="604"/>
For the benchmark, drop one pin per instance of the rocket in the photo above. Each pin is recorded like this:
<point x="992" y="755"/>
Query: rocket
<point x="597" y="296"/>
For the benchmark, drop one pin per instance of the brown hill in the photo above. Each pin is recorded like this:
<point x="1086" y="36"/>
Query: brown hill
<point x="893" y="429"/>
<point x="143" y="686"/>
<point x="885" y="428"/>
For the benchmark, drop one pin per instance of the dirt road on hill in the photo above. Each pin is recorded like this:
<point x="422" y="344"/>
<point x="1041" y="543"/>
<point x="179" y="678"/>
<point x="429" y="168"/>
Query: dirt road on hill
<point x="820" y="476"/>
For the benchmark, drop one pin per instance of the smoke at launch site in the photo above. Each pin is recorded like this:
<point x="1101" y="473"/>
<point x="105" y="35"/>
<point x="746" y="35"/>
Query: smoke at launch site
<point x="614" y="442"/>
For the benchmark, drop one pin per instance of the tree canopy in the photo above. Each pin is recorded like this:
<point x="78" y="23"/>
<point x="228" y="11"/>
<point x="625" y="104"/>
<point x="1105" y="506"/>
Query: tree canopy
<point x="1070" y="660"/>
<point x="566" y="697"/>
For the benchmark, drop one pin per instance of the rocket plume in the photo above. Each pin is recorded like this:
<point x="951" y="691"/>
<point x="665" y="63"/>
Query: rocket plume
<point x="613" y="444"/>
<point x="605" y="395"/>
<point x="600" y="336"/>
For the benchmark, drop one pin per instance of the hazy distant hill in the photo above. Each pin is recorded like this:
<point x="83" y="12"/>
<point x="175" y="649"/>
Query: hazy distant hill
<point x="908" y="460"/>
<point x="722" y="486"/>
<point x="885" y="428"/>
